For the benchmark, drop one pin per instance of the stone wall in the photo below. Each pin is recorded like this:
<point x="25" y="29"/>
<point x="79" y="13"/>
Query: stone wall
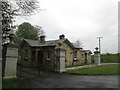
<point x="89" y="58"/>
<point x="69" y="53"/>
<point x="26" y="55"/>
<point x="78" y="59"/>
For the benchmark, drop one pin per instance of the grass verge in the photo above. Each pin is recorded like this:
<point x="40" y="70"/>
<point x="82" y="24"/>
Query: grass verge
<point x="100" y="70"/>
<point x="13" y="83"/>
<point x="9" y="83"/>
<point x="78" y="65"/>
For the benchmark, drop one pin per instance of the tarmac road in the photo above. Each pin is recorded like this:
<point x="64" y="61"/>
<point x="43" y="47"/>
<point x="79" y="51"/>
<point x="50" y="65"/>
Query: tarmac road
<point x="63" y="80"/>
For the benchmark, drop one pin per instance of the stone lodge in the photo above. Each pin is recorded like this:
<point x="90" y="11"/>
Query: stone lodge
<point x="53" y="55"/>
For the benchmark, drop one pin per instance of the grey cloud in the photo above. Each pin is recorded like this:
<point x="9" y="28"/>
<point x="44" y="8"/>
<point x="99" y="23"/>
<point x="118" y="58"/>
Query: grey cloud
<point x="80" y="19"/>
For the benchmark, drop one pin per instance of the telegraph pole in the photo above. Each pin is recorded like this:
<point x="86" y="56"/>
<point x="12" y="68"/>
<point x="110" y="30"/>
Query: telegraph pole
<point x="99" y="43"/>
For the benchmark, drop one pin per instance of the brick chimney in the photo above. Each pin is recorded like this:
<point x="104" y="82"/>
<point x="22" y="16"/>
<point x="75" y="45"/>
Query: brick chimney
<point x="61" y="36"/>
<point x="42" y="39"/>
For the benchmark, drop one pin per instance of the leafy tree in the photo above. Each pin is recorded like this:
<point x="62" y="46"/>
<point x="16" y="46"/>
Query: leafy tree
<point x="26" y="31"/>
<point x="9" y="9"/>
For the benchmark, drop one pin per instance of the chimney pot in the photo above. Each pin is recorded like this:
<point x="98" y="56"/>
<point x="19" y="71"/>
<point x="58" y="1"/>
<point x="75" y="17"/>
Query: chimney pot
<point x="42" y="39"/>
<point x="62" y="36"/>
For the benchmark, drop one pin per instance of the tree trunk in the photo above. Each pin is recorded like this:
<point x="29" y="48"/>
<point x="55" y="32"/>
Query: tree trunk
<point x="4" y="52"/>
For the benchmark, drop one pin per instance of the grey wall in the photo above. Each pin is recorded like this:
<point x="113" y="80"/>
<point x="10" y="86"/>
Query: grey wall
<point x="60" y="60"/>
<point x="97" y="58"/>
<point x="10" y="69"/>
<point x="11" y="62"/>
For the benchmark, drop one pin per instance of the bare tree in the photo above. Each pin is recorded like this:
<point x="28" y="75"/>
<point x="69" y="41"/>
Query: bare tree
<point x="24" y="7"/>
<point x="40" y="30"/>
<point x="9" y="9"/>
<point x="78" y="43"/>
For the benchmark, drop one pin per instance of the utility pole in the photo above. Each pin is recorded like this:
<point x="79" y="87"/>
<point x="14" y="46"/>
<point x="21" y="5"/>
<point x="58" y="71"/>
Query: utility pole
<point x="99" y="44"/>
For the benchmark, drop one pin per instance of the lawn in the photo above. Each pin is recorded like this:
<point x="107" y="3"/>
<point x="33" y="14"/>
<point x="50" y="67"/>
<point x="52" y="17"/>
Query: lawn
<point x="109" y="58"/>
<point x="78" y="65"/>
<point x="100" y="70"/>
<point x="114" y="58"/>
<point x="13" y="83"/>
<point x="10" y="83"/>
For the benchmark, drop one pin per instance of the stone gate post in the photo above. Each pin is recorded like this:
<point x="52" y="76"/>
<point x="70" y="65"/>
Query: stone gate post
<point x="60" y="60"/>
<point x="97" y="57"/>
<point x="11" y="61"/>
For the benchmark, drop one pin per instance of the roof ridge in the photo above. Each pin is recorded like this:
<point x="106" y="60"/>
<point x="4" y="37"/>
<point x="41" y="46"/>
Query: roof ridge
<point x="30" y="40"/>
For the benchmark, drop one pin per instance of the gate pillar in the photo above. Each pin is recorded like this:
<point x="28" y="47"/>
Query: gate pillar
<point x="60" y="60"/>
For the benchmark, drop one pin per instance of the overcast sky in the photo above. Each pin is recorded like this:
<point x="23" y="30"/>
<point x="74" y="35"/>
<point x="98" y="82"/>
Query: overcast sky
<point x="82" y="20"/>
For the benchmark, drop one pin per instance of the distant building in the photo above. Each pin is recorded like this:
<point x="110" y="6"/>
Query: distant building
<point x="34" y="52"/>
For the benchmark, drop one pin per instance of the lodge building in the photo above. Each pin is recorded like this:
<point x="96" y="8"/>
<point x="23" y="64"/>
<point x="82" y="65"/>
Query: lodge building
<point x="47" y="54"/>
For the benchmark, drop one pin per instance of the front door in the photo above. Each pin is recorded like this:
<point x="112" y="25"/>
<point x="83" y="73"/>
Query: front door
<point x="40" y="57"/>
<point x="85" y="58"/>
<point x="39" y="60"/>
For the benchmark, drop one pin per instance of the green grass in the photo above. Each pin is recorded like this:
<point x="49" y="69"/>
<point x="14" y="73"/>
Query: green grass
<point x="78" y="65"/>
<point x="110" y="58"/>
<point x="101" y="70"/>
<point x="9" y="84"/>
<point x="75" y="65"/>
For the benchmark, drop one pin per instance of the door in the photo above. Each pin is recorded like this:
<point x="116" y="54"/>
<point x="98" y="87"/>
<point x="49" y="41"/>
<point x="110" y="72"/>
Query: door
<point x="85" y="58"/>
<point x="39" y="61"/>
<point x="40" y="57"/>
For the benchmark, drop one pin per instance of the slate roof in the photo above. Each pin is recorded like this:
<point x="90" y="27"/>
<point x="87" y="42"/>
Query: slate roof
<point x="88" y="51"/>
<point x="36" y="43"/>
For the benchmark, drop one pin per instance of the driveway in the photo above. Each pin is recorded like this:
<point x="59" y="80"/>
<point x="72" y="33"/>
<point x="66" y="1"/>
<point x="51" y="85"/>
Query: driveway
<point x="63" y="80"/>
